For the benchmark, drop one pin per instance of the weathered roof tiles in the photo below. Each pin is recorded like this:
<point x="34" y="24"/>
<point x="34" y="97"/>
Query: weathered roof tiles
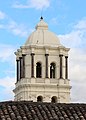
<point x="25" y="110"/>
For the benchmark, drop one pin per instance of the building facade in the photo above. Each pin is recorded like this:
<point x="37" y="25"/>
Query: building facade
<point x="42" y="68"/>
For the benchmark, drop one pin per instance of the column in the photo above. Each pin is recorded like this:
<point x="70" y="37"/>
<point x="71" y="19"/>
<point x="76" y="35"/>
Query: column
<point x="61" y="71"/>
<point x="66" y="67"/>
<point x="17" y="70"/>
<point x="23" y="56"/>
<point x="21" y="67"/>
<point x="46" y="70"/>
<point x="32" y="64"/>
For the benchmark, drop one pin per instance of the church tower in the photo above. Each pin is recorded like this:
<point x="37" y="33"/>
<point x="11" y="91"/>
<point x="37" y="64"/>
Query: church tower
<point x="42" y="68"/>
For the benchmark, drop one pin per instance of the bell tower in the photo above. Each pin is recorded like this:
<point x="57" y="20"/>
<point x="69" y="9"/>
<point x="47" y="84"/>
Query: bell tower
<point x="42" y="68"/>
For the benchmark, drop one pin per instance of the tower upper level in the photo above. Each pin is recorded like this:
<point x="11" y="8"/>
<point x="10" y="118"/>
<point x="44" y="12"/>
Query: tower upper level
<point x="42" y="36"/>
<point x="42" y="68"/>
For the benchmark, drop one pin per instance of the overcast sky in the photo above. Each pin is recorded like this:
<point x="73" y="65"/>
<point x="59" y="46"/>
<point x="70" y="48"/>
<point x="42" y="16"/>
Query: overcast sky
<point x="66" y="18"/>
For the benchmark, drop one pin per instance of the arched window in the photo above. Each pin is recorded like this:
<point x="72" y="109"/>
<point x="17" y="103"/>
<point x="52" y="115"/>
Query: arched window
<point x="39" y="99"/>
<point x="54" y="99"/>
<point x="38" y="70"/>
<point x="52" y="70"/>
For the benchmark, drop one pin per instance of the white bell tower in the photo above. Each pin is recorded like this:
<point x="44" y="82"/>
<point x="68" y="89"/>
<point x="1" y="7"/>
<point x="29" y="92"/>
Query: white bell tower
<point x="42" y="68"/>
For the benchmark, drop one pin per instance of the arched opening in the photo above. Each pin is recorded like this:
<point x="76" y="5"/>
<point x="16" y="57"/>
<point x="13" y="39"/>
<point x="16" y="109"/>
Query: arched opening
<point x="52" y="70"/>
<point x="39" y="99"/>
<point x="54" y="99"/>
<point x="38" y="70"/>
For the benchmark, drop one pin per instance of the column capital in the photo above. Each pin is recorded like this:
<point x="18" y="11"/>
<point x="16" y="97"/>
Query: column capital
<point x="46" y="54"/>
<point x="32" y="54"/>
<point x="66" y="56"/>
<point x="20" y="57"/>
<point x="60" y="55"/>
<point x="17" y="59"/>
<point x="23" y="54"/>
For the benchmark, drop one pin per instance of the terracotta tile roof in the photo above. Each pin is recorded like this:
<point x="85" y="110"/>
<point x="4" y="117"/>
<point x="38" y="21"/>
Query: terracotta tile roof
<point x="25" y="110"/>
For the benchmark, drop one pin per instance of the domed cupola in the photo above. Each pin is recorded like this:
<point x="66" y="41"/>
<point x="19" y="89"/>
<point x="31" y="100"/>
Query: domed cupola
<point x="42" y="36"/>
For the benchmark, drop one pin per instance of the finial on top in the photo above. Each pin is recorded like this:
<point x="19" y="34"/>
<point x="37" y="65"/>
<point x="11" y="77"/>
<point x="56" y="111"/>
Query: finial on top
<point x="41" y="18"/>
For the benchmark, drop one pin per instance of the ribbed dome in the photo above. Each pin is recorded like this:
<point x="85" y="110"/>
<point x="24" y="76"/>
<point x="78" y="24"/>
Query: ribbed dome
<point x="42" y="36"/>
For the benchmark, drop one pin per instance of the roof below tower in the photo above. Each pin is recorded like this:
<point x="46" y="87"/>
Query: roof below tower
<point x="42" y="36"/>
<point x="25" y="110"/>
